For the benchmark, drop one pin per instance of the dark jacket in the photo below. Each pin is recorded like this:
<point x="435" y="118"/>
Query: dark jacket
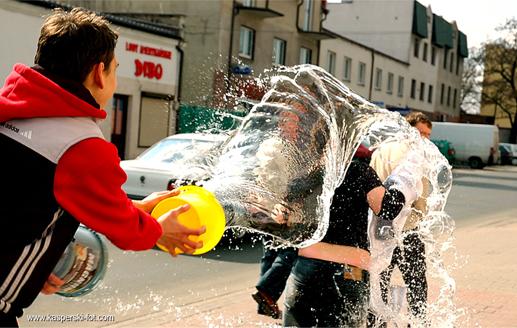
<point x="58" y="171"/>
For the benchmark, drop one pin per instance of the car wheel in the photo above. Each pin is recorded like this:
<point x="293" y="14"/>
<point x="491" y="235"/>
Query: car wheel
<point x="475" y="163"/>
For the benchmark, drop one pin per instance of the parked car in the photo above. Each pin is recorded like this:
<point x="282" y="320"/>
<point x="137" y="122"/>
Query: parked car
<point x="176" y="160"/>
<point x="508" y="153"/>
<point x="447" y="149"/>
<point x="475" y="144"/>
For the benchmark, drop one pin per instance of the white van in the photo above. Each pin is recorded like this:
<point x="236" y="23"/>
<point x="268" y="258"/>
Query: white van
<point x="475" y="144"/>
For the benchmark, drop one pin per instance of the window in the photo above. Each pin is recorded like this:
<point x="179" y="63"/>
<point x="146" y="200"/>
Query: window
<point x="361" y="77"/>
<point x="389" y="88"/>
<point x="413" y="88"/>
<point x="378" y="79"/>
<point x="154" y="119"/>
<point x="347" y="69"/>
<point x="305" y="55"/>
<point x="454" y="98"/>
<point x="422" y="91"/>
<point x="416" y="48"/>
<point x="246" y="42"/>
<point x="248" y="3"/>
<point x="448" y="95"/>
<point x="279" y="51"/>
<point x="400" y="88"/>
<point x="445" y="56"/>
<point x="433" y="55"/>
<point x="442" y="94"/>
<point x="307" y="15"/>
<point x="451" y="62"/>
<point x="424" y="56"/>
<point x="430" y="94"/>
<point x="331" y="62"/>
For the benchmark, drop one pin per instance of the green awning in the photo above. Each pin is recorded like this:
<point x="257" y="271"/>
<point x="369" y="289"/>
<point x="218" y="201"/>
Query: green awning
<point x="420" y="20"/>
<point x="442" y="32"/>
<point x="194" y="119"/>
<point x="463" y="49"/>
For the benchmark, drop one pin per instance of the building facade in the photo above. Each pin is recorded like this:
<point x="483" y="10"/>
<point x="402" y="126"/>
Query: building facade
<point x="230" y="42"/>
<point x="405" y="57"/>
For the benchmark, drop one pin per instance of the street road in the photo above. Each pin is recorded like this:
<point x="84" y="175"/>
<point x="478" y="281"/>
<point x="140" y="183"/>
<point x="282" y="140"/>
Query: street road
<point x="152" y="284"/>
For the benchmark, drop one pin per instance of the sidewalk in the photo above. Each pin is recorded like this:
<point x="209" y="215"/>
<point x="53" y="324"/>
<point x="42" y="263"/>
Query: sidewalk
<point x="486" y="286"/>
<point x="487" y="282"/>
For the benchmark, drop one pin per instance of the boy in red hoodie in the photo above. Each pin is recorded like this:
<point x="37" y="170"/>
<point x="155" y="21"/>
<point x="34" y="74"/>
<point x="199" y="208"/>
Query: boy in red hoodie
<point x="58" y="170"/>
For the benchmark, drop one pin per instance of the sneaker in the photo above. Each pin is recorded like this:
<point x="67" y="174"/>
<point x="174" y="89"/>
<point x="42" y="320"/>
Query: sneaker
<point x="267" y="306"/>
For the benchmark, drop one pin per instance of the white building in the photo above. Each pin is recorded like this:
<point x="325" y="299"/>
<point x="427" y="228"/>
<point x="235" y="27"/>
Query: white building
<point x="397" y="54"/>
<point x="144" y="106"/>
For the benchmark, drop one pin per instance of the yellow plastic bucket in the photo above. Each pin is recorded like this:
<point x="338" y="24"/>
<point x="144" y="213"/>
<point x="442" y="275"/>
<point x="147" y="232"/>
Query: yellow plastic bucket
<point x="204" y="210"/>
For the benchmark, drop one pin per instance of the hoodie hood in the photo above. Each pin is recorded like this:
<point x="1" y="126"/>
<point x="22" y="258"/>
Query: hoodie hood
<point x="29" y="94"/>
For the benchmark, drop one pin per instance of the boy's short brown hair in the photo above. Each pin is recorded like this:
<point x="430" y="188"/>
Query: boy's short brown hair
<point x="418" y="117"/>
<point x="71" y="43"/>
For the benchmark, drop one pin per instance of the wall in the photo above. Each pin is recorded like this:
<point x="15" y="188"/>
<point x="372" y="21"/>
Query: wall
<point x="383" y="25"/>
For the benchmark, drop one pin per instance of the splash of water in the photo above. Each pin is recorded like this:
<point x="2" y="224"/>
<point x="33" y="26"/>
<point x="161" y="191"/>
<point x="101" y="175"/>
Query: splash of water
<point x="277" y="173"/>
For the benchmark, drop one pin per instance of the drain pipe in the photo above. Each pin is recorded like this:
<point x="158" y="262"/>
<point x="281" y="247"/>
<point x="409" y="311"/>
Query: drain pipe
<point x="235" y="11"/>
<point x="371" y="76"/>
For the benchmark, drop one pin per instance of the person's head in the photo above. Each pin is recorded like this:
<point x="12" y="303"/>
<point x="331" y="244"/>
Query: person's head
<point x="79" y="45"/>
<point x="421" y="122"/>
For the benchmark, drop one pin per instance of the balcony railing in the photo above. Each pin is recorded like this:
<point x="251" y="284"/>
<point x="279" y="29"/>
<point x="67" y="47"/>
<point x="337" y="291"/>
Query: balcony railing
<point x="260" y="10"/>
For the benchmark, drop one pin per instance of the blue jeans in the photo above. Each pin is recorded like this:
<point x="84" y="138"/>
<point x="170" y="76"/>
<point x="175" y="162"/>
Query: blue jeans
<point x="275" y="266"/>
<point x="318" y="295"/>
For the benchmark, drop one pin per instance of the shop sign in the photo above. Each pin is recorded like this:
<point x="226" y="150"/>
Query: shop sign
<point x="147" y="61"/>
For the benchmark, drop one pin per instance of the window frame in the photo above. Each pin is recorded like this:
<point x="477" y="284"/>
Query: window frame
<point x="283" y="51"/>
<point x="331" y="62"/>
<point x="251" y="42"/>
<point x="389" y="85"/>
<point x="308" y="14"/>
<point x="347" y="69"/>
<point x="378" y="79"/>
<point x="421" y="95"/>
<point x="400" y="86"/>
<point x="416" y="47"/>
<point x="248" y="3"/>
<point x="361" y="74"/>
<point x="442" y="94"/>
<point x="308" y="52"/>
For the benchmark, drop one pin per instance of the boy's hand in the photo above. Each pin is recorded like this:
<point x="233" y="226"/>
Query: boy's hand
<point x="52" y="285"/>
<point x="175" y="235"/>
<point x="148" y="203"/>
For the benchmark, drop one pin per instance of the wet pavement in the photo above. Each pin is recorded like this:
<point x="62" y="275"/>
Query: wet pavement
<point x="483" y="264"/>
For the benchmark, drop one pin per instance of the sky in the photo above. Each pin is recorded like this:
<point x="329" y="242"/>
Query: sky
<point x="476" y="18"/>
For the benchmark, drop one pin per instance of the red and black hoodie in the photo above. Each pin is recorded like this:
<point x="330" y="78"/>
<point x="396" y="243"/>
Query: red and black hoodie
<point x="57" y="172"/>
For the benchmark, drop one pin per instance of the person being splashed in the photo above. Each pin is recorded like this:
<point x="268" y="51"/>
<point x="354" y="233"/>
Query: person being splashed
<point x="329" y="284"/>
<point x="409" y="257"/>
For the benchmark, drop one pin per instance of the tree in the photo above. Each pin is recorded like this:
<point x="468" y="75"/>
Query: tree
<point x="500" y="74"/>
<point x="471" y="81"/>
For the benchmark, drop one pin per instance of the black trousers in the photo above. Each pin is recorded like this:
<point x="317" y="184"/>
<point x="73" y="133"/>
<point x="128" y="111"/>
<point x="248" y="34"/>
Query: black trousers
<point x="7" y="320"/>
<point x="410" y="259"/>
